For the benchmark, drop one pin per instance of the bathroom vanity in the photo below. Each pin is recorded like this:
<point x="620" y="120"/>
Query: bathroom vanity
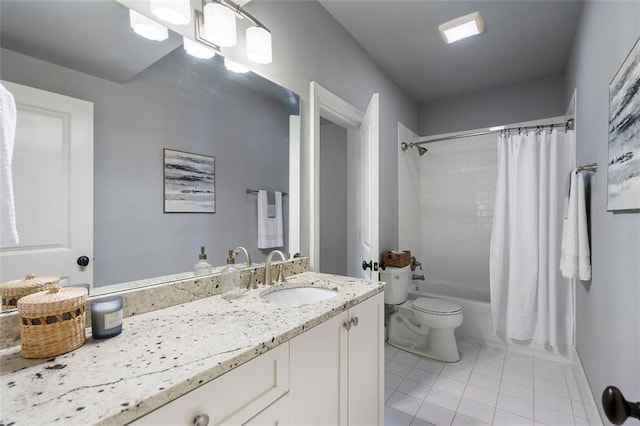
<point x="246" y="360"/>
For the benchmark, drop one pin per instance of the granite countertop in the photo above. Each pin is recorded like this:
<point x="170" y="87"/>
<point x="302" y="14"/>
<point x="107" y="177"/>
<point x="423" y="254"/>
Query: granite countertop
<point x="161" y="355"/>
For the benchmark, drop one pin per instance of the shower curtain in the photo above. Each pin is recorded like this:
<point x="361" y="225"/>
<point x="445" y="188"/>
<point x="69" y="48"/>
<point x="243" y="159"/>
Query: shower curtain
<point x="530" y="300"/>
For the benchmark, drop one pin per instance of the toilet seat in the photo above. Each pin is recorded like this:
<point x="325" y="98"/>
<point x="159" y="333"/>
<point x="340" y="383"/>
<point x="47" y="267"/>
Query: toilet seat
<point x="435" y="306"/>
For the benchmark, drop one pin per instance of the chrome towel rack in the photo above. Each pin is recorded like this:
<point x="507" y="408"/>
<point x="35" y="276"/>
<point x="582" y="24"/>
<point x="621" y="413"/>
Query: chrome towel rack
<point x="255" y="192"/>
<point x="593" y="167"/>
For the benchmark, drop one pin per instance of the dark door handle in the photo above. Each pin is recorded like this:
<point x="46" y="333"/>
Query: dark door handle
<point x="617" y="408"/>
<point x="369" y="265"/>
<point x="83" y="261"/>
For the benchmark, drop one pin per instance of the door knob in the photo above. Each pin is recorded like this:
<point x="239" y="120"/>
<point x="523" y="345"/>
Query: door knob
<point x="347" y="325"/>
<point x="354" y="321"/>
<point x="617" y="408"/>
<point x="83" y="261"/>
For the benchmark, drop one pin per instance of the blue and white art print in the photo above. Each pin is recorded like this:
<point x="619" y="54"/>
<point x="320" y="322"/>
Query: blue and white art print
<point x="189" y="182"/>
<point x="624" y="135"/>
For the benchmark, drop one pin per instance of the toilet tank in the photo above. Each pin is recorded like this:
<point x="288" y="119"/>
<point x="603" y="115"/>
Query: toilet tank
<point x="397" y="288"/>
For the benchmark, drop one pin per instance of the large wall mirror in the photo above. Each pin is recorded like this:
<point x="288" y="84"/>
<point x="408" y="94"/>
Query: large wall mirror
<point x="147" y="96"/>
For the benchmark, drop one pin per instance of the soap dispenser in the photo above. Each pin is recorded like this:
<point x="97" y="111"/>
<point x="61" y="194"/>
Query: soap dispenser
<point x="230" y="279"/>
<point x="202" y="267"/>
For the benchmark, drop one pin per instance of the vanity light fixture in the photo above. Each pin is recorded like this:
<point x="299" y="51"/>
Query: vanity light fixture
<point x="177" y="12"/>
<point x="462" y="27"/>
<point x="196" y="49"/>
<point x="234" y="66"/>
<point x="147" y="28"/>
<point x="220" y="24"/>
<point x="259" y="45"/>
<point x="216" y="27"/>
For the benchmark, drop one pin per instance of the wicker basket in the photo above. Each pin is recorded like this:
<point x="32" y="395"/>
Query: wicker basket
<point x="396" y="259"/>
<point x="12" y="291"/>
<point x="53" y="322"/>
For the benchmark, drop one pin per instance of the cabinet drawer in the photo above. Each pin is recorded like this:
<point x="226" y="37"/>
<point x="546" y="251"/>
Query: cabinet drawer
<point x="233" y="398"/>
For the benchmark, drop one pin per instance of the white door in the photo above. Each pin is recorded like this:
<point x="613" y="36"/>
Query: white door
<point x="368" y="191"/>
<point x="363" y="169"/>
<point x="53" y="187"/>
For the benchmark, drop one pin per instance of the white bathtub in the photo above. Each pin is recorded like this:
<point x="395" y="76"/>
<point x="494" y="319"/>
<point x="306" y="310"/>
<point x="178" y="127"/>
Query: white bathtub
<point x="477" y="325"/>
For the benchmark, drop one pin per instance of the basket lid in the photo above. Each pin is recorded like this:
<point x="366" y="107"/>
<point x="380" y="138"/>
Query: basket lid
<point x="30" y="281"/>
<point x="52" y="301"/>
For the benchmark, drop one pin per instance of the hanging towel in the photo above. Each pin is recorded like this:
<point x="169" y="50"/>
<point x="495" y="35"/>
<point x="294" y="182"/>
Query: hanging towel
<point x="270" y="229"/>
<point x="575" y="260"/>
<point x="271" y="204"/>
<point x="8" y="115"/>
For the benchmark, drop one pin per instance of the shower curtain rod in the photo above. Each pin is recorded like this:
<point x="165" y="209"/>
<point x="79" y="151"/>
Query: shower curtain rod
<point x="568" y="125"/>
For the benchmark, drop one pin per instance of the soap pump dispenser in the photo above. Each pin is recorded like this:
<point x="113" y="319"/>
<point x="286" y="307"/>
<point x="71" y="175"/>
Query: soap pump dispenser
<point x="202" y="267"/>
<point x="230" y="279"/>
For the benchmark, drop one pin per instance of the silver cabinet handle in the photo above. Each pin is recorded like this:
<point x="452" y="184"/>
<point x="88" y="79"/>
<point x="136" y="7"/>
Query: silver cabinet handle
<point x="347" y="325"/>
<point x="354" y="321"/>
<point x="201" y="420"/>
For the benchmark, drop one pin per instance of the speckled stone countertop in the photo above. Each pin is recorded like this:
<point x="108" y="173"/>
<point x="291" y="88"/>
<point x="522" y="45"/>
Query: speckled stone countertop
<point x="161" y="355"/>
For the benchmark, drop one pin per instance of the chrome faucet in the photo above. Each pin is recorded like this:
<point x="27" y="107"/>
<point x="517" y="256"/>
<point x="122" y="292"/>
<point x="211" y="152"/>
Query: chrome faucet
<point x="267" y="267"/>
<point x="415" y="263"/>
<point x="239" y="250"/>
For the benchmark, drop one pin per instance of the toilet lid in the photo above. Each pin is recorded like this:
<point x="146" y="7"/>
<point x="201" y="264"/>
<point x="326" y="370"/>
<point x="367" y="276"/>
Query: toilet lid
<point x="435" y="306"/>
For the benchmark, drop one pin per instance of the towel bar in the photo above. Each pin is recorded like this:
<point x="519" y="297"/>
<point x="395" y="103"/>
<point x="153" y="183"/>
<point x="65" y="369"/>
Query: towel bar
<point x="593" y="167"/>
<point x="255" y="191"/>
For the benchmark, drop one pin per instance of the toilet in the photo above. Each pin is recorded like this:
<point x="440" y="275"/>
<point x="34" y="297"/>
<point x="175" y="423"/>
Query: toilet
<point x="424" y="326"/>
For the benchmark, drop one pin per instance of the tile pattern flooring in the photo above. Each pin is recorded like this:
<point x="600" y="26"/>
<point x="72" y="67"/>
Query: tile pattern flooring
<point x="486" y="387"/>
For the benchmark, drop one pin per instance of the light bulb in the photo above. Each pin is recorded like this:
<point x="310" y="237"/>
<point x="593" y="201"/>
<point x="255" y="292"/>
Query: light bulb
<point x="234" y="66"/>
<point x="198" y="50"/>
<point x="259" y="45"/>
<point x="177" y="12"/>
<point x="220" y="25"/>
<point x="147" y="28"/>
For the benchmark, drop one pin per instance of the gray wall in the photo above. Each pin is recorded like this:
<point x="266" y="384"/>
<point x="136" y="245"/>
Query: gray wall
<point x="310" y="45"/>
<point x="333" y="199"/>
<point x="512" y="104"/>
<point x="608" y="313"/>
<point x="178" y="103"/>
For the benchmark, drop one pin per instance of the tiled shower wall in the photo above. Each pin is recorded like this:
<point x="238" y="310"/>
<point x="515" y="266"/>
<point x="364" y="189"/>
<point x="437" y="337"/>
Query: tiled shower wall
<point x="458" y="179"/>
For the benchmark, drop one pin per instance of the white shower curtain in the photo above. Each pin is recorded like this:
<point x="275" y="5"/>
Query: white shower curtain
<point x="530" y="300"/>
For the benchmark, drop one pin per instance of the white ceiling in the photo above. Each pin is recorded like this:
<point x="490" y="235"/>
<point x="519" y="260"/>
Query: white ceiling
<point x="524" y="40"/>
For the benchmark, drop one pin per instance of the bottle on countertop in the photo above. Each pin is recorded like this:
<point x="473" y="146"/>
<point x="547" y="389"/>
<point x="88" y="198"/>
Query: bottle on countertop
<point x="230" y="279"/>
<point x="202" y="267"/>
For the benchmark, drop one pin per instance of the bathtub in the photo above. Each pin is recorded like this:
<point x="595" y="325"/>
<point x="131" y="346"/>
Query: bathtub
<point x="477" y="325"/>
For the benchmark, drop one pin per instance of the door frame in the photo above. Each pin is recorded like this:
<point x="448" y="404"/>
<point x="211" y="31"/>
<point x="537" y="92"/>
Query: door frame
<point x="330" y="106"/>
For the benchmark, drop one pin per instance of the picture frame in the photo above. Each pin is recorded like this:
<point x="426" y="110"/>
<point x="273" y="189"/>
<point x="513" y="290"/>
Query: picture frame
<point x="623" y="165"/>
<point x="189" y="182"/>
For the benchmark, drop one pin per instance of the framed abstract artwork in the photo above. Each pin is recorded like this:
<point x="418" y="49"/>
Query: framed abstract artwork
<point x="623" y="171"/>
<point x="189" y="182"/>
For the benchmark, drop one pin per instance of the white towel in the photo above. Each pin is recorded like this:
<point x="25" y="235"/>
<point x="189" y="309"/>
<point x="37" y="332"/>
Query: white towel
<point x="270" y="230"/>
<point x="575" y="260"/>
<point x="8" y="115"/>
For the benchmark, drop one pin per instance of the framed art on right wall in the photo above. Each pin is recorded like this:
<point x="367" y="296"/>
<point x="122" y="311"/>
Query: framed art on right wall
<point x="623" y="171"/>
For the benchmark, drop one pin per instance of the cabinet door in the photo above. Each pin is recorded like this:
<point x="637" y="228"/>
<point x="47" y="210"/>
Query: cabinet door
<point x="276" y="414"/>
<point x="366" y="363"/>
<point x="318" y="361"/>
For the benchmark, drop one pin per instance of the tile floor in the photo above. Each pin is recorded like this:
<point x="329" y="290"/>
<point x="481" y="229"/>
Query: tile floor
<point x="486" y="387"/>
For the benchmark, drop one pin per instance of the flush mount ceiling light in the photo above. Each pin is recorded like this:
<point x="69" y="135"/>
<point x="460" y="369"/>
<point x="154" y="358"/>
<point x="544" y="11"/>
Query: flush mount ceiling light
<point x="198" y="50"/>
<point x="177" y="12"/>
<point x="216" y="27"/>
<point x="462" y="27"/>
<point x="147" y="28"/>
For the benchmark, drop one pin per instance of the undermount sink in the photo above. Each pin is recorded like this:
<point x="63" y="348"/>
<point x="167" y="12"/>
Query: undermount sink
<point x="298" y="295"/>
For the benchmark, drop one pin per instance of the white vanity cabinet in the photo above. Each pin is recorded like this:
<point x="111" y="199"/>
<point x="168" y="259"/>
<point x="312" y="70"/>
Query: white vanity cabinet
<point x="337" y="369"/>
<point x="251" y="391"/>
